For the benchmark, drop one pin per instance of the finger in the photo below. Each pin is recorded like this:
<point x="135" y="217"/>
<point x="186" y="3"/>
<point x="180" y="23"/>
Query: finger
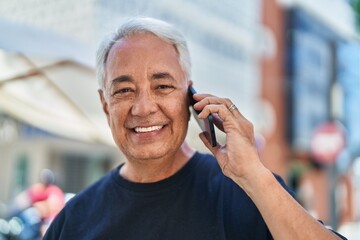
<point x="218" y="122"/>
<point x="234" y="110"/>
<point x="200" y="96"/>
<point x="208" y="145"/>
<point x="222" y="112"/>
<point x="207" y="99"/>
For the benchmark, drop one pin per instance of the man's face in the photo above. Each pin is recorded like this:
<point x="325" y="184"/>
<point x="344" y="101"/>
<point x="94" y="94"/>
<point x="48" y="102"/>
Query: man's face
<point x="145" y="97"/>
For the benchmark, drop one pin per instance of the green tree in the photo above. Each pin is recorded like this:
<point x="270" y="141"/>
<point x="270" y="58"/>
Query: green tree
<point x="356" y="7"/>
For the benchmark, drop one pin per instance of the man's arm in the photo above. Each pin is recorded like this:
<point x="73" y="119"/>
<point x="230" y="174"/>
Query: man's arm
<point x="240" y="161"/>
<point x="285" y="218"/>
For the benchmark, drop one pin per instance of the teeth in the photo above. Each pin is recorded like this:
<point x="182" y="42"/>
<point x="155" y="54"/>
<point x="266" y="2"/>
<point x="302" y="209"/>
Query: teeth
<point x="147" y="129"/>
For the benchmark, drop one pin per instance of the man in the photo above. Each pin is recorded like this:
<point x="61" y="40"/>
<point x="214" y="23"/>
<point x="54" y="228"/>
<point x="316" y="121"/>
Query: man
<point x="165" y="189"/>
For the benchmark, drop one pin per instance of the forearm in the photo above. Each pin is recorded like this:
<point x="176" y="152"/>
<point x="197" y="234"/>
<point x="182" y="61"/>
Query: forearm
<point x="285" y="218"/>
<point x="239" y="160"/>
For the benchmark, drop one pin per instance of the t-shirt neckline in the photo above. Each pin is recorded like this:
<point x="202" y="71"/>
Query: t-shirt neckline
<point x="175" y="179"/>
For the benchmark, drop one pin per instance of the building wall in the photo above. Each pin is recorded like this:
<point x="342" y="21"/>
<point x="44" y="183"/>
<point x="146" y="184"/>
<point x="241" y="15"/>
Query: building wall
<point x="275" y="153"/>
<point x="26" y="150"/>
<point x="223" y="37"/>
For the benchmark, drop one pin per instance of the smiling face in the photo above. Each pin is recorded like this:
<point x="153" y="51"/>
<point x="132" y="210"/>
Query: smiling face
<point x="145" y="97"/>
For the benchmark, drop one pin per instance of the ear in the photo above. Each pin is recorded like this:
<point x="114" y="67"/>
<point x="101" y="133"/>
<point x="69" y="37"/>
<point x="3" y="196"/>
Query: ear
<point x="104" y="105"/>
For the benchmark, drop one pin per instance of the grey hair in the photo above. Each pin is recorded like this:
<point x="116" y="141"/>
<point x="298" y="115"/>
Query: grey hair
<point x="161" y="29"/>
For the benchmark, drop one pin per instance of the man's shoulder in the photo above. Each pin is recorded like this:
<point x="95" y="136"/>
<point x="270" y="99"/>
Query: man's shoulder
<point x="91" y="194"/>
<point x="71" y="218"/>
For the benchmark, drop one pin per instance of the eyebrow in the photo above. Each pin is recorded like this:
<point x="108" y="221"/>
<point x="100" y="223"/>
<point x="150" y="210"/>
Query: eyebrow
<point x="120" y="79"/>
<point x="155" y="76"/>
<point x="162" y="75"/>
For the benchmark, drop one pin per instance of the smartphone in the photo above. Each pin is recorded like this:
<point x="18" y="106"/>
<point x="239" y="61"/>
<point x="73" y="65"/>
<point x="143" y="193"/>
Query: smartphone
<point x="206" y="125"/>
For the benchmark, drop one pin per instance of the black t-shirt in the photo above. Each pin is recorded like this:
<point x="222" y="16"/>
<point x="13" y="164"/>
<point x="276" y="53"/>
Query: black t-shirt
<point x="198" y="202"/>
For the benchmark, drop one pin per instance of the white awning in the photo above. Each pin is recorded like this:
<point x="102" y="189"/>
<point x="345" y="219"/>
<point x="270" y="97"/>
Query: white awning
<point x="50" y="83"/>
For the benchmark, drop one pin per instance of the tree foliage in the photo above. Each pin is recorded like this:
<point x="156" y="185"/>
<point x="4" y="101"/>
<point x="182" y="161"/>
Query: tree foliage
<point x="356" y="6"/>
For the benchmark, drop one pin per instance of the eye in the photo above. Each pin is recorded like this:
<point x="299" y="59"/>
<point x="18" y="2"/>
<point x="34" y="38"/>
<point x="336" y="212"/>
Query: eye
<point x="164" y="87"/>
<point x="122" y="91"/>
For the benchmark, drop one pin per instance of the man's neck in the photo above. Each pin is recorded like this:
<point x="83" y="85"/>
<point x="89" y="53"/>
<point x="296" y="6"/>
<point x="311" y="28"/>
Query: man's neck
<point x="154" y="170"/>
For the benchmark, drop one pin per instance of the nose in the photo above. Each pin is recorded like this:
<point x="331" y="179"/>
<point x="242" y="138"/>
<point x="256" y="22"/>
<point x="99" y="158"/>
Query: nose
<point x="144" y="105"/>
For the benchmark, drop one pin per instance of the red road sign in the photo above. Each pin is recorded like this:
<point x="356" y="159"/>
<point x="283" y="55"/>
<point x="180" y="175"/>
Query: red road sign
<point x="327" y="141"/>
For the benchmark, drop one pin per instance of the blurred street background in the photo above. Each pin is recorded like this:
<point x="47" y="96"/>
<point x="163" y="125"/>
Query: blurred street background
<point x="291" y="66"/>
